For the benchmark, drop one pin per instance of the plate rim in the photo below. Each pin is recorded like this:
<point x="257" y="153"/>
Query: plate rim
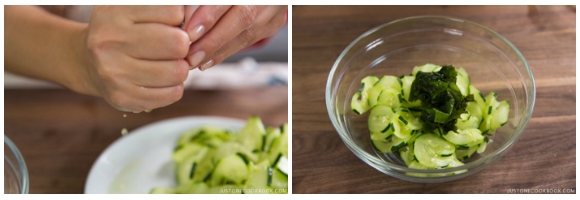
<point x="143" y="129"/>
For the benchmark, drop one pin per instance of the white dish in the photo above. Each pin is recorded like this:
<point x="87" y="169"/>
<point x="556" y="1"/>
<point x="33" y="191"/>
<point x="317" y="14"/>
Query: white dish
<point x="141" y="160"/>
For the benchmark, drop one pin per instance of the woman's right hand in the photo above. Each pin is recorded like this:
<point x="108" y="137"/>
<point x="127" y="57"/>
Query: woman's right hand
<point x="136" y="56"/>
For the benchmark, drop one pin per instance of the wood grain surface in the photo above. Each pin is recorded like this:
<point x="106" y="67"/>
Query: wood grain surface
<point x="543" y="158"/>
<point x="61" y="134"/>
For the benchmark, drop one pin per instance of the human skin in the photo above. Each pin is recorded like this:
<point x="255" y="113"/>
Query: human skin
<point x="134" y="57"/>
<point x="220" y="31"/>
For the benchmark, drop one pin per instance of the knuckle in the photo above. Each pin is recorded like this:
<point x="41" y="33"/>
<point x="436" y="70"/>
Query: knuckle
<point x="248" y="35"/>
<point x="248" y="15"/>
<point x="181" y="71"/>
<point x="278" y="23"/>
<point x="211" y="14"/>
<point x="175" y="95"/>
<point x="175" y="14"/>
<point x="212" y="45"/>
<point x="117" y="99"/>
<point x="178" y="43"/>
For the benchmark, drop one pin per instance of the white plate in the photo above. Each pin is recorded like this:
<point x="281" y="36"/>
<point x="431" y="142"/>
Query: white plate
<point x="141" y="160"/>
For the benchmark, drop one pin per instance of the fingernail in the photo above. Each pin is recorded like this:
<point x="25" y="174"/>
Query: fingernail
<point x="196" y="58"/>
<point x="196" y="33"/>
<point x="207" y="65"/>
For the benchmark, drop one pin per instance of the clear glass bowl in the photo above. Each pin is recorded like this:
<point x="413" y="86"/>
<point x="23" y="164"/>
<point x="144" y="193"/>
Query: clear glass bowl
<point x="15" y="173"/>
<point x="493" y="63"/>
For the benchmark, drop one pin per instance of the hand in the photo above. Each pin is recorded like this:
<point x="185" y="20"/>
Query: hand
<point x="136" y="55"/>
<point x="218" y="32"/>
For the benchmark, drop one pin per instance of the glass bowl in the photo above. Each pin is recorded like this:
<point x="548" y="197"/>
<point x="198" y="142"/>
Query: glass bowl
<point x="15" y="173"/>
<point x="493" y="63"/>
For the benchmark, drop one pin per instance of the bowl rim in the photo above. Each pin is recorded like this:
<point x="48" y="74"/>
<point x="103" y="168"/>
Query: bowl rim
<point x="20" y="159"/>
<point x="531" y="97"/>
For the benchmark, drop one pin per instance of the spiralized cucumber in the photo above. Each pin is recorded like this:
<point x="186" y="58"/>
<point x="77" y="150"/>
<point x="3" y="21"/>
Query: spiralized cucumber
<point x="215" y="160"/>
<point x="397" y="123"/>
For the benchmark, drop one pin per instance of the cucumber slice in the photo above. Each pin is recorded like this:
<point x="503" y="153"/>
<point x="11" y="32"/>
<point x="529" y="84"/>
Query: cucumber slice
<point x="192" y="149"/>
<point x="252" y="133"/>
<point x="279" y="146"/>
<point x="389" y="82"/>
<point x="491" y="100"/>
<point x="412" y="122"/>
<point x="482" y="147"/>
<point x="387" y="145"/>
<point x="279" y="179"/>
<point x="211" y="160"/>
<point x="426" y="68"/>
<point x="467" y="137"/>
<point x="485" y="126"/>
<point x="478" y="97"/>
<point x="202" y="169"/>
<point x="187" y="137"/>
<point x="387" y="132"/>
<point x="271" y="135"/>
<point x="209" y="135"/>
<point x="389" y="97"/>
<point x="407" y="154"/>
<point x="464" y="154"/>
<point x="283" y="165"/>
<point x="417" y="165"/>
<point x="462" y="81"/>
<point x="373" y="95"/>
<point x="232" y="147"/>
<point x="401" y="130"/>
<point x="475" y="111"/>
<point x="230" y="170"/>
<point x="360" y="100"/>
<point x="432" y="151"/>
<point x="258" y="178"/>
<point x="186" y="169"/>
<point x="500" y="115"/>
<point x="379" y="118"/>
<point x="358" y="104"/>
<point x="491" y="104"/>
<point x="406" y="89"/>
<point x="385" y="91"/>
<point x="469" y="123"/>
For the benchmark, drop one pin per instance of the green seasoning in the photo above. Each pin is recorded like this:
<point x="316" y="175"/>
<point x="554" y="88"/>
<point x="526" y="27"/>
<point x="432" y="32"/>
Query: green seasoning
<point x="214" y="160"/>
<point x="434" y="118"/>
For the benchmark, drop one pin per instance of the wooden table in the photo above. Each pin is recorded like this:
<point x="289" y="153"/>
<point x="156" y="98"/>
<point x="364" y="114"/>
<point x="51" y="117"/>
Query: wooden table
<point x="543" y="158"/>
<point x="61" y="134"/>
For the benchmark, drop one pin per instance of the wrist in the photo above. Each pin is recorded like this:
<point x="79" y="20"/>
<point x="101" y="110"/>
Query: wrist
<point x="78" y="73"/>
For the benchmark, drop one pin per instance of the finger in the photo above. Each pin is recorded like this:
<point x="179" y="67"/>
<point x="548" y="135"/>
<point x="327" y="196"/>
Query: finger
<point x="152" y="98"/>
<point x="154" y="41"/>
<point x="138" y="99"/>
<point x="203" y="19"/>
<point x="244" y="40"/>
<point x="234" y="22"/>
<point x="189" y="10"/>
<point x="157" y="74"/>
<point x="169" y="15"/>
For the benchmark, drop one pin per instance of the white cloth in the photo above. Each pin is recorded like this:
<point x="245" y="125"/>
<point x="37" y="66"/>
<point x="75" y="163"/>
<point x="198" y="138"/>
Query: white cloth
<point x="246" y="73"/>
